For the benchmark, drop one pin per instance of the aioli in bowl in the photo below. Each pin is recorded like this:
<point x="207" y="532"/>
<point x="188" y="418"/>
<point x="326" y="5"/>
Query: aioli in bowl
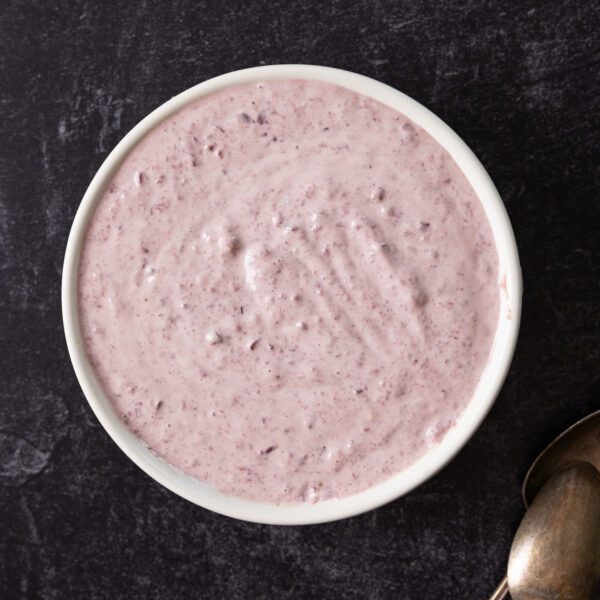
<point x="289" y="291"/>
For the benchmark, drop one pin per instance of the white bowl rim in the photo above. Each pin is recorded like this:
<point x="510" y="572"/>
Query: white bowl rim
<point x="434" y="459"/>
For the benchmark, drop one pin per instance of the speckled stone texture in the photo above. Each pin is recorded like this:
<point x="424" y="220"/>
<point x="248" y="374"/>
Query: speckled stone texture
<point x="518" y="81"/>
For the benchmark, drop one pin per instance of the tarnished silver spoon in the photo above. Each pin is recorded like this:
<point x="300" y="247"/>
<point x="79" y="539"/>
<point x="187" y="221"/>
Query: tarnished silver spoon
<point x="556" y="550"/>
<point x="579" y="443"/>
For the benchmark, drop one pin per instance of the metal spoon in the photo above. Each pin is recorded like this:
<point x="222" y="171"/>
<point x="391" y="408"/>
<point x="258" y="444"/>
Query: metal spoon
<point x="580" y="442"/>
<point x="556" y="550"/>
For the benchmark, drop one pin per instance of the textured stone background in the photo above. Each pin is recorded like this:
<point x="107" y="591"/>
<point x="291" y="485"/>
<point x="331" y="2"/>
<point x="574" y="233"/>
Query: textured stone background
<point x="518" y="80"/>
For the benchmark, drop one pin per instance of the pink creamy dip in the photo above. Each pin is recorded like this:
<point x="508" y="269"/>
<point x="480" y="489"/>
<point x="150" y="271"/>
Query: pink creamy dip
<point x="289" y="291"/>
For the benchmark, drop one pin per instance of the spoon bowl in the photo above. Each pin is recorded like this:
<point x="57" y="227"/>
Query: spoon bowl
<point x="578" y="444"/>
<point x="556" y="550"/>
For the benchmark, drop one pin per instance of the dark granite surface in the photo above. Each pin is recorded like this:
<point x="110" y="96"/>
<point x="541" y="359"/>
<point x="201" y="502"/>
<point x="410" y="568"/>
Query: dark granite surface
<point x="518" y="80"/>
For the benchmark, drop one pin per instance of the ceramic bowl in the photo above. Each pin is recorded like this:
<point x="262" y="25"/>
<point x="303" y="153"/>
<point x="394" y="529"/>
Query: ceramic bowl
<point x="510" y="287"/>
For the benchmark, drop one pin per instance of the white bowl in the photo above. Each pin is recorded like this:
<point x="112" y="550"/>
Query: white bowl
<point x="485" y="394"/>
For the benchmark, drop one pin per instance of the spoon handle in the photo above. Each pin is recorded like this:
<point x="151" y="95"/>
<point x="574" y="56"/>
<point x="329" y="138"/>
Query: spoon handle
<point x="501" y="591"/>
